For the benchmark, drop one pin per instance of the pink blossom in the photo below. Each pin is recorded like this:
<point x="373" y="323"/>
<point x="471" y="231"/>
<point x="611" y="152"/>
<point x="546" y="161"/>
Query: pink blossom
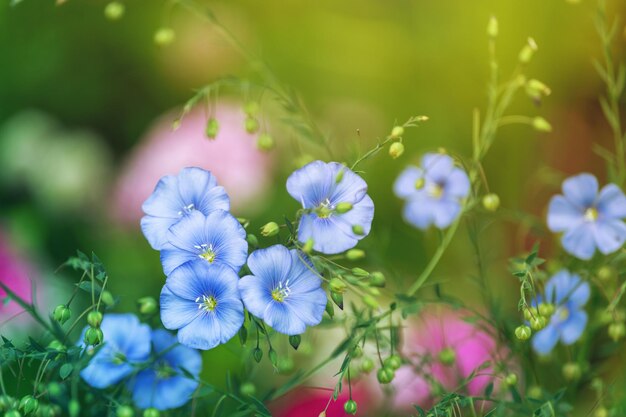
<point x="232" y="157"/>
<point x="16" y="274"/>
<point x="310" y="402"/>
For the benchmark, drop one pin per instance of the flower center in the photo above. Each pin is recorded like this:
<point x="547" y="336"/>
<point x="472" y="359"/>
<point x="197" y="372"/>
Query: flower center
<point x="281" y="292"/>
<point x="207" y="253"/>
<point x="119" y="358"/>
<point x="187" y="209"/>
<point x="435" y="190"/>
<point x="591" y="214"/>
<point x="563" y="313"/>
<point x="164" y="370"/>
<point x="325" y="209"/>
<point x="206" y="303"/>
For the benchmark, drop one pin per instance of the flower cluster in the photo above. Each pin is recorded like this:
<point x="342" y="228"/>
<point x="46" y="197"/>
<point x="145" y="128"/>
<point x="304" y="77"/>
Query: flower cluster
<point x="149" y="361"/>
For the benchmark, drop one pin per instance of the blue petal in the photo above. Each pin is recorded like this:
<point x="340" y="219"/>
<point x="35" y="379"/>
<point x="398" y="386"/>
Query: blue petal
<point x="177" y="312"/>
<point x="563" y="215"/>
<point x="311" y="184"/>
<point x="445" y="212"/>
<point x="155" y="230"/>
<point x="361" y="214"/>
<point x="172" y="258"/>
<point x="327" y="236"/>
<point x="127" y="335"/>
<point x="581" y="190"/>
<point x="302" y="276"/>
<point x="165" y="200"/>
<point x="579" y="295"/>
<point x="143" y="387"/>
<point x="404" y="186"/>
<point x="458" y="184"/>
<point x="611" y="202"/>
<point x="272" y="265"/>
<point x="573" y="327"/>
<point x="580" y="241"/>
<point x="173" y="392"/>
<point x="281" y="318"/>
<point x="176" y="355"/>
<point x="102" y="372"/>
<point x="255" y="293"/>
<point x="351" y="188"/>
<point x="188" y="232"/>
<point x="308" y="306"/>
<point x="610" y="235"/>
<point x="204" y="332"/>
<point x="437" y="166"/>
<point x="199" y="187"/>
<point x="544" y="340"/>
<point x="228" y="238"/>
<point x="419" y="212"/>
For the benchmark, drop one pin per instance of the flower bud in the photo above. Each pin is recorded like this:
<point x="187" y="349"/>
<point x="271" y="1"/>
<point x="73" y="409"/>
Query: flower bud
<point x="385" y="375"/>
<point x="527" y="51"/>
<point x="397" y="132"/>
<point x="370" y="301"/>
<point x="357" y="229"/>
<point x="93" y="336"/>
<point x="247" y="388"/>
<point x="523" y="332"/>
<point x="270" y="229"/>
<point x="367" y="365"/>
<point x="147" y="305"/>
<point x="62" y="313"/>
<point x="164" y="36"/>
<point x="546" y="309"/>
<point x="377" y="279"/>
<point x="151" y="412"/>
<point x="396" y="150"/>
<point x="492" y="27"/>
<point x="394" y="362"/>
<point x="350" y="407"/>
<point x="29" y="404"/>
<point x="251" y="125"/>
<point x="355" y="254"/>
<point x="94" y="318"/>
<point x="337" y="285"/>
<point x="125" y="411"/>
<point x="12" y="413"/>
<point x="54" y="389"/>
<point x="114" y="10"/>
<point x="251" y="108"/>
<point x="107" y="298"/>
<point x="360" y="272"/>
<point x="73" y="408"/>
<point x="257" y="353"/>
<point x="601" y="412"/>
<point x="56" y="345"/>
<point x="419" y="183"/>
<point x="285" y="365"/>
<point x="447" y="356"/>
<point x="337" y="299"/>
<point x="534" y="391"/>
<point x="572" y="371"/>
<point x="252" y="240"/>
<point x="343" y="207"/>
<point x="538" y="322"/>
<point x="212" y="128"/>
<point x="491" y="202"/>
<point x="536" y="89"/>
<point x="540" y="124"/>
<point x="265" y="142"/>
<point x="511" y="379"/>
<point x="617" y="331"/>
<point x="357" y="352"/>
<point x="606" y="273"/>
<point x="308" y="246"/>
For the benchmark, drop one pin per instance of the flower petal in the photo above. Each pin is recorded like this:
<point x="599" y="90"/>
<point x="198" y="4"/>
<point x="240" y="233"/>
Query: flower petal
<point x="611" y="202"/>
<point x="172" y="258"/>
<point x="255" y="293"/>
<point x="579" y="241"/>
<point x="177" y="312"/>
<point x="350" y="189"/>
<point x="143" y="387"/>
<point x="573" y="327"/>
<point x="228" y="238"/>
<point x="458" y="184"/>
<point x="155" y="230"/>
<point x="187" y="233"/>
<point x="102" y="372"/>
<point x="610" y="235"/>
<point x="361" y="214"/>
<point x="165" y="201"/>
<point x="581" y="190"/>
<point x="327" y="236"/>
<point x="309" y="306"/>
<point x="419" y="212"/>
<point x="437" y="166"/>
<point x="312" y="184"/>
<point x="404" y="186"/>
<point x="280" y="317"/>
<point x="271" y="265"/>
<point x="563" y="215"/>
<point x="544" y="340"/>
<point x="202" y="333"/>
<point x="445" y="212"/>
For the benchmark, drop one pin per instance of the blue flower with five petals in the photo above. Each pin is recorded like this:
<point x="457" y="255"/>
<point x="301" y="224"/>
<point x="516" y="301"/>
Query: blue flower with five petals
<point x="569" y="294"/>
<point x="174" y="197"/>
<point x="284" y="290"/>
<point x="433" y="192"/>
<point x="588" y="219"/>
<point x="203" y="304"/>
<point x="320" y="187"/>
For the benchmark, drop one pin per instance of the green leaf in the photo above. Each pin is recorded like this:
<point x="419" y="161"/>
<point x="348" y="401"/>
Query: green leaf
<point x="66" y="370"/>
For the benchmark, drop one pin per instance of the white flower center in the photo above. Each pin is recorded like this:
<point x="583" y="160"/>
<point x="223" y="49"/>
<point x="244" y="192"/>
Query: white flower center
<point x="207" y="252"/>
<point x="205" y="303"/>
<point x="281" y="292"/>
<point x="187" y="209"/>
<point x="325" y="209"/>
<point x="591" y="214"/>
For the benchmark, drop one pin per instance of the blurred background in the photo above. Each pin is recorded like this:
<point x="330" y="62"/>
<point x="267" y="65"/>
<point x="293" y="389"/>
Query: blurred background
<point x="87" y="106"/>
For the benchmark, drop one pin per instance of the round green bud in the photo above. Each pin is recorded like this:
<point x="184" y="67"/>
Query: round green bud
<point x="151" y="412"/>
<point x="357" y="229"/>
<point x="367" y="365"/>
<point x="265" y="142"/>
<point x="385" y="375"/>
<point x="606" y="273"/>
<point x="396" y="150"/>
<point x="510" y="379"/>
<point x="572" y="371"/>
<point x="536" y="89"/>
<point x="212" y="128"/>
<point x="538" y="323"/>
<point x="7" y="402"/>
<point x="601" y="412"/>
<point x="542" y="125"/>
<point x="350" y="407"/>
<point x="492" y="27"/>
<point x="125" y="411"/>
<point x="74" y="408"/>
<point x="528" y="315"/>
<point x="617" y="331"/>
<point x="12" y="413"/>
<point x="147" y="305"/>
<point x="164" y="36"/>
<point x="357" y="352"/>
<point x="247" y="388"/>
<point x="523" y="332"/>
<point x="491" y="202"/>
<point x="527" y="51"/>
<point x="251" y="125"/>
<point x="285" y="365"/>
<point x="343" y="207"/>
<point x="62" y="313"/>
<point x="546" y="309"/>
<point x="337" y="285"/>
<point x="360" y="272"/>
<point x="107" y="298"/>
<point x="58" y="346"/>
<point x="55" y="389"/>
<point x="28" y="404"/>
<point x="308" y="246"/>
<point x="114" y="10"/>
<point x="447" y="356"/>
<point x="377" y="279"/>
<point x="370" y="301"/>
<point x="251" y="108"/>
<point x="94" y="318"/>
<point x="394" y="362"/>
<point x="534" y="391"/>
<point x="397" y="132"/>
<point x="355" y="254"/>
<point x="419" y="183"/>
<point x="270" y="229"/>
<point x="93" y="336"/>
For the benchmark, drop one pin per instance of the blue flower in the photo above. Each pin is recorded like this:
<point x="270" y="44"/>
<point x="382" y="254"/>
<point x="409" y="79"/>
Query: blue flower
<point x="433" y="192"/>
<point x="203" y="304"/>
<point x="284" y="290"/>
<point x="569" y="294"/>
<point x="176" y="196"/>
<point x="216" y="239"/>
<point x="126" y="341"/>
<point x="320" y="187"/>
<point x="163" y="385"/>
<point x="588" y="220"/>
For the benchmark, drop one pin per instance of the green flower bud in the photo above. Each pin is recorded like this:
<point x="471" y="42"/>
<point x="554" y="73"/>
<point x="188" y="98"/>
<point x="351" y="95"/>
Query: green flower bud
<point x="93" y="336"/>
<point x="58" y="346"/>
<point x="511" y="379"/>
<point x="164" y="36"/>
<point x="350" y="407"/>
<point x="114" y="10"/>
<point x="357" y="352"/>
<point x="523" y="332"/>
<point x="546" y="309"/>
<point x="265" y="142"/>
<point x="541" y="124"/>
<point x="257" y="353"/>
<point x="151" y="412"/>
<point x="367" y="365"/>
<point x="492" y="27"/>
<point x="94" y="318"/>
<point x="491" y="202"/>
<point x="572" y="371"/>
<point x="357" y="229"/>
<point x="62" y="313"/>
<point x="419" y="183"/>
<point x="360" y="272"/>
<point x="125" y="411"/>
<point x="528" y="315"/>
<point x="617" y="331"/>
<point x="248" y="389"/>
<point x="308" y="246"/>
<point x="7" y="402"/>
<point x="270" y="229"/>
<point x="538" y="322"/>
<point x="285" y="365"/>
<point x="251" y="125"/>
<point x="337" y="285"/>
<point x="396" y="150"/>
<point x="527" y="51"/>
<point x="337" y="299"/>
<point x="252" y="240"/>
<point x="397" y="132"/>
<point x="74" y="408"/>
<point x="147" y="305"/>
<point x="536" y="89"/>
<point x="606" y="273"/>
<point x="343" y="207"/>
<point x="12" y="413"/>
<point x="447" y="356"/>
<point x="29" y="404"/>
<point x="355" y="254"/>
<point x="251" y="108"/>
<point x="212" y="128"/>
<point x="601" y="412"/>
<point x="370" y="301"/>
<point x="394" y="362"/>
<point x="377" y="279"/>
<point x="534" y="392"/>
<point x="54" y="389"/>
<point x="385" y="375"/>
<point x="107" y="298"/>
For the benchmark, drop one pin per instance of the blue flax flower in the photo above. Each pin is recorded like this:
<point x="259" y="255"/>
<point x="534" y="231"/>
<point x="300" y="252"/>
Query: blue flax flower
<point x="588" y="220"/>
<point x="216" y="239"/>
<point x="126" y="341"/>
<point x="568" y="293"/>
<point x="203" y="304"/>
<point x="175" y="197"/>
<point x="320" y="187"/>
<point x="163" y="385"/>
<point x="433" y="192"/>
<point x="284" y="290"/>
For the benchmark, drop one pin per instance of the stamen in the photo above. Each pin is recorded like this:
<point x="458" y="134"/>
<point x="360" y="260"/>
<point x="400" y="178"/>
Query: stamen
<point x="187" y="209"/>
<point x="207" y="252"/>
<point x="435" y="190"/>
<point x="205" y="303"/>
<point x="325" y="209"/>
<point x="591" y="214"/>
<point x="281" y="292"/>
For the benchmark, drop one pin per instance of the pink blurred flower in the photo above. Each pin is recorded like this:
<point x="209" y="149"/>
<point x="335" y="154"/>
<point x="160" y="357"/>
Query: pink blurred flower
<point x="232" y="157"/>
<point x="16" y="274"/>
<point x="310" y="402"/>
